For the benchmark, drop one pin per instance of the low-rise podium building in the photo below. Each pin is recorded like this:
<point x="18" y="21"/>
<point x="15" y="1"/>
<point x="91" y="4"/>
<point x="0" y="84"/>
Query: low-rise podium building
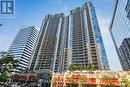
<point x="95" y="78"/>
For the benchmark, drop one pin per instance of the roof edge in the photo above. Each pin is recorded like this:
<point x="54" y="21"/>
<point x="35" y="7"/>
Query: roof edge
<point x="111" y="24"/>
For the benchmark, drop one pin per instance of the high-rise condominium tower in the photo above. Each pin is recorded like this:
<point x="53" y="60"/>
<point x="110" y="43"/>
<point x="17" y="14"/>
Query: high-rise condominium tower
<point x="72" y="39"/>
<point x="120" y="31"/>
<point x="23" y="44"/>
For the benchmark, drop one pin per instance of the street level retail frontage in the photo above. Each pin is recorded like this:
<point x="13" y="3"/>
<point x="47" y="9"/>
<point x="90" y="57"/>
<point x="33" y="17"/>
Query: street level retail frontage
<point x="96" y="78"/>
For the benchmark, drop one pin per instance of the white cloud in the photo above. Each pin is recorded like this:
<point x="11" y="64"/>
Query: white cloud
<point x="109" y="46"/>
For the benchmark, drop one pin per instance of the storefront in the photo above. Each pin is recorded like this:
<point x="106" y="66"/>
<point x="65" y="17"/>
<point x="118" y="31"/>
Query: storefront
<point x="88" y="79"/>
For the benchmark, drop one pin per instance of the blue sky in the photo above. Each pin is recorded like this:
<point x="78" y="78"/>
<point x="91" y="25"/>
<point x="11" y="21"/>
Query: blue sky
<point x="32" y="12"/>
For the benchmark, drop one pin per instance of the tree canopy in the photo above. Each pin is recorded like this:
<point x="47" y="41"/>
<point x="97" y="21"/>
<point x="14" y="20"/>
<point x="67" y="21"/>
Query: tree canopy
<point x="7" y="63"/>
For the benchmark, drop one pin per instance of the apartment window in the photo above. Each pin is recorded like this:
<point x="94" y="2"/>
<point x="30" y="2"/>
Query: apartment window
<point x="125" y="53"/>
<point x="127" y="8"/>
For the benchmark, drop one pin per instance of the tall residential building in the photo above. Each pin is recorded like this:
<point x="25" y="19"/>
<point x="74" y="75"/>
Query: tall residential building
<point x="120" y="31"/>
<point x="72" y="39"/>
<point x="23" y="45"/>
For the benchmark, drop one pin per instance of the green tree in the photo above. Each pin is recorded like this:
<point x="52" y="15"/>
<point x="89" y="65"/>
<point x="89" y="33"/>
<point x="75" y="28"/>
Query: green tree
<point x="72" y="67"/>
<point x="7" y="63"/>
<point x="90" y="67"/>
<point x="81" y="67"/>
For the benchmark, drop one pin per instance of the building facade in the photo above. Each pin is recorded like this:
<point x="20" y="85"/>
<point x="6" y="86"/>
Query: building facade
<point x="120" y="31"/>
<point x="97" y="78"/>
<point x="72" y="39"/>
<point x="23" y="44"/>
